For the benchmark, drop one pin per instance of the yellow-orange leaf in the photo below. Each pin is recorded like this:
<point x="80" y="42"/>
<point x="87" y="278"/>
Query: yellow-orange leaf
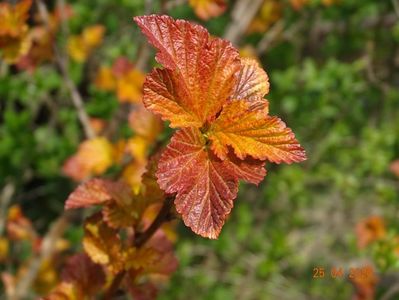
<point x="81" y="46"/>
<point x="253" y="132"/>
<point x="206" y="9"/>
<point x="102" y="244"/>
<point x="132" y="174"/>
<point x="129" y="86"/>
<point x="94" y="157"/>
<point x="145" y="124"/>
<point x="13" y="18"/>
<point x="105" y="80"/>
<point x="270" y="12"/>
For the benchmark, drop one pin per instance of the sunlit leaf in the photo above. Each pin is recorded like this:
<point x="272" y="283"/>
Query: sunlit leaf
<point x="102" y="244"/>
<point x="254" y="133"/>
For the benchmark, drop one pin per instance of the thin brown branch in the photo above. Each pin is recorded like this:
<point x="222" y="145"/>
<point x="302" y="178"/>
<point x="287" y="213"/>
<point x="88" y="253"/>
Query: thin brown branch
<point x="270" y="36"/>
<point x="243" y="13"/>
<point x="61" y="62"/>
<point x="162" y="217"/>
<point x="47" y="250"/>
<point x="76" y="99"/>
<point x="5" y="199"/>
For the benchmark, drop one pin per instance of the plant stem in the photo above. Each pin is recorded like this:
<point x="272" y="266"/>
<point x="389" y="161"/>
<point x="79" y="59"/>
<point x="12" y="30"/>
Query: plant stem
<point x="139" y="241"/>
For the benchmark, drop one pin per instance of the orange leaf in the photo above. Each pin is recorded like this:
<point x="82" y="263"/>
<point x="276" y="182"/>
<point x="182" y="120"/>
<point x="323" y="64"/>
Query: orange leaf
<point x="129" y="86"/>
<point x="369" y="230"/>
<point x="14" y="32"/>
<point x="83" y="273"/>
<point x="132" y="174"/>
<point x="199" y="74"/>
<point x="105" y="80"/>
<point x="94" y="157"/>
<point x="102" y="244"/>
<point x="204" y="184"/>
<point x="365" y="285"/>
<point x="98" y="191"/>
<point x="81" y="46"/>
<point x="13" y="18"/>
<point x="150" y="190"/>
<point x="252" y="82"/>
<point x="206" y="9"/>
<point x="145" y="124"/>
<point x="121" y="216"/>
<point x="18" y="226"/>
<point x="253" y="132"/>
<point x="269" y="13"/>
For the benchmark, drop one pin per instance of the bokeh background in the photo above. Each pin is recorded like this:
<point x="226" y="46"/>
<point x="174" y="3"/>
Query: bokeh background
<point x="334" y="74"/>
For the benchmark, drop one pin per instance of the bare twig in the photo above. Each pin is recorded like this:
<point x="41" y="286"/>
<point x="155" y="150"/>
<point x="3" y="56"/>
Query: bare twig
<point x="173" y="3"/>
<point x="394" y="290"/>
<point x="76" y="99"/>
<point x="395" y="4"/>
<point x="270" y="36"/>
<point x="5" y="199"/>
<point x="242" y="14"/>
<point x="47" y="250"/>
<point x="75" y="95"/>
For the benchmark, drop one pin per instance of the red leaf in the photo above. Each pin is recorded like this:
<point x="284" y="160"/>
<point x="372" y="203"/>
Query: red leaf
<point x="250" y="169"/>
<point x="204" y="184"/>
<point x="97" y="191"/>
<point x="84" y="273"/>
<point x="200" y="70"/>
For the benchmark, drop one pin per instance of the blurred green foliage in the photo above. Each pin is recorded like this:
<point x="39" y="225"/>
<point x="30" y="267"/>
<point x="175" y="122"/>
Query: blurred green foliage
<point x="337" y="89"/>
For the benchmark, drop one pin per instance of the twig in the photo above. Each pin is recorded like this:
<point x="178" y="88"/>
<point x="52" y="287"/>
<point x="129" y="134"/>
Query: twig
<point x="395" y="4"/>
<point x="140" y="240"/>
<point x="243" y="13"/>
<point x="5" y="199"/>
<point x="173" y="3"/>
<point x="391" y="292"/>
<point x="162" y="216"/>
<point x="61" y="63"/>
<point x="76" y="99"/>
<point x="269" y="37"/>
<point x="46" y="251"/>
